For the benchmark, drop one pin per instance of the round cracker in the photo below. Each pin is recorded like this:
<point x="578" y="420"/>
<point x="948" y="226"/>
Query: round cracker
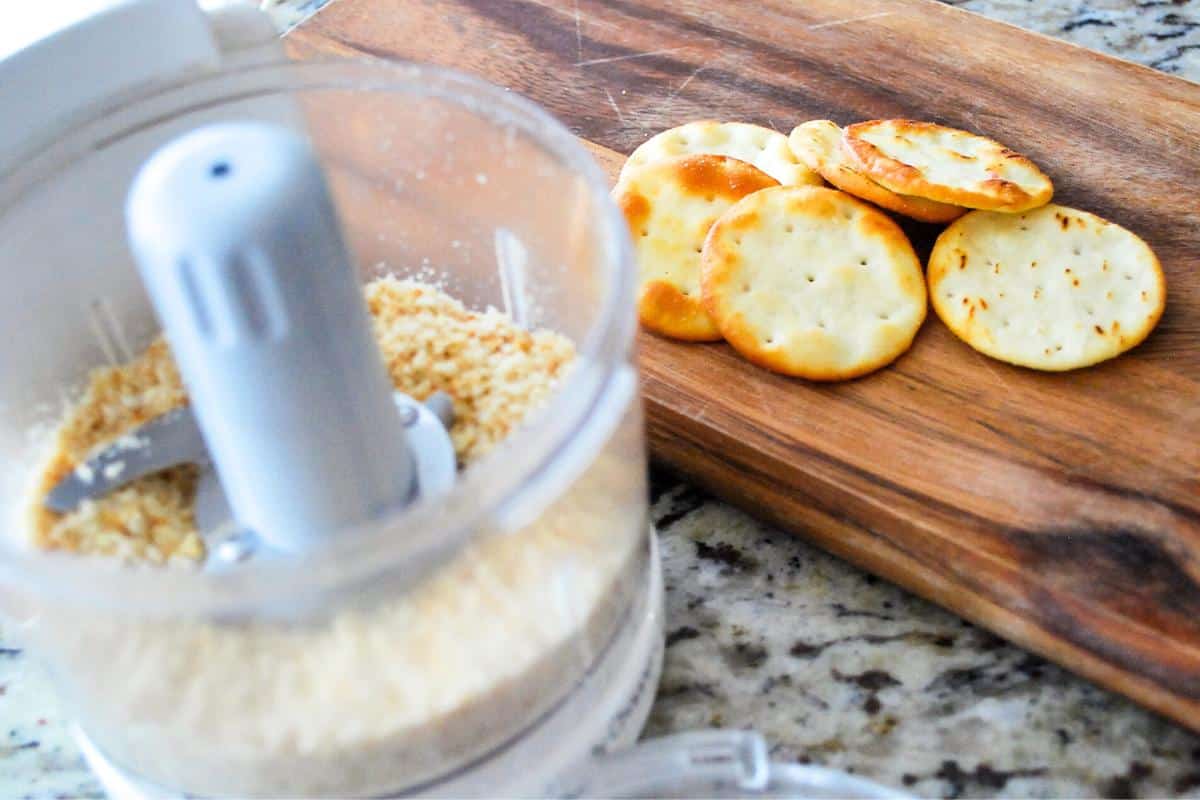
<point x="669" y="206"/>
<point x="812" y="282"/>
<point x="764" y="148"/>
<point x="1052" y="289"/>
<point x="818" y="144"/>
<point x="946" y="164"/>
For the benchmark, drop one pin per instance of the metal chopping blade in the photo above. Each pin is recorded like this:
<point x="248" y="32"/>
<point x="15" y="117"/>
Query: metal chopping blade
<point x="175" y="438"/>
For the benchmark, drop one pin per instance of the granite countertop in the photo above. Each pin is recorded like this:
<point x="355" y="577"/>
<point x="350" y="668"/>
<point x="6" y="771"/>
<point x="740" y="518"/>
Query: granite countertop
<point x="834" y="666"/>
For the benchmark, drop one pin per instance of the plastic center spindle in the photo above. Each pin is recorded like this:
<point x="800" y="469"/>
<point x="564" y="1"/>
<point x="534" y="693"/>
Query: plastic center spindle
<point x="240" y="250"/>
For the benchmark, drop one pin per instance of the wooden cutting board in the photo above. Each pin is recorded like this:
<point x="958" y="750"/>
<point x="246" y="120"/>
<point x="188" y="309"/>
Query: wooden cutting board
<point x="1060" y="510"/>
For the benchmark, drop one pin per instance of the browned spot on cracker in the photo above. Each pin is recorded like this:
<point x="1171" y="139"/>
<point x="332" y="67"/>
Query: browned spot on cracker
<point x="719" y="176"/>
<point x="1002" y="186"/>
<point x="880" y="225"/>
<point x="1099" y="330"/>
<point x="819" y="206"/>
<point x="636" y="209"/>
<point x="745" y="221"/>
<point x="664" y="309"/>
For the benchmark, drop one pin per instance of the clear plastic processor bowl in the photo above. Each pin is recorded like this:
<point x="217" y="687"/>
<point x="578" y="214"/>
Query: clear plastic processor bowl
<point x="418" y="654"/>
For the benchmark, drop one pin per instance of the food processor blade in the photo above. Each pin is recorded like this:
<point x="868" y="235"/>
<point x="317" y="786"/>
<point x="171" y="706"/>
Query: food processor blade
<point x="166" y="441"/>
<point x="174" y="438"/>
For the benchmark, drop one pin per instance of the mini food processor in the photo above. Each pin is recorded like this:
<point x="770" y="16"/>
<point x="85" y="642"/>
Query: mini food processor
<point x="368" y="620"/>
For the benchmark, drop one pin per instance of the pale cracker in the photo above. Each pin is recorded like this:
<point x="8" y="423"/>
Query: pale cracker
<point x="946" y="164"/>
<point x="669" y="206"/>
<point x="764" y="148"/>
<point x="1052" y="289"/>
<point x="812" y="282"/>
<point x="818" y="143"/>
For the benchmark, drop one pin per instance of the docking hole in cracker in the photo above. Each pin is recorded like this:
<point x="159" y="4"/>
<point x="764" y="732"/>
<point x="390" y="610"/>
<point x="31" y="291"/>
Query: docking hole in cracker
<point x="669" y="206"/>
<point x="813" y="283"/>
<point x="764" y="148"/>
<point x="1052" y="289"/>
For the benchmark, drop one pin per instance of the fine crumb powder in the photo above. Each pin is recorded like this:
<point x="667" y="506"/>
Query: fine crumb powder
<point x="495" y="371"/>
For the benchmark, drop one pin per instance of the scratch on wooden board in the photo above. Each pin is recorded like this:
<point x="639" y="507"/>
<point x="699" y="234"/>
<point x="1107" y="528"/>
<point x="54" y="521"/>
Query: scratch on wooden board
<point x="597" y="22"/>
<point x="550" y="7"/>
<point x="578" y="32"/>
<point x="685" y="83"/>
<point x="848" y="20"/>
<point x="995" y="373"/>
<point x="763" y="399"/>
<point x="615" y="107"/>
<point x="628" y="56"/>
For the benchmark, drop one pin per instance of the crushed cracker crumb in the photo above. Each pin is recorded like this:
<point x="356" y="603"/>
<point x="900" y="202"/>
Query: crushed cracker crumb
<point x="495" y="371"/>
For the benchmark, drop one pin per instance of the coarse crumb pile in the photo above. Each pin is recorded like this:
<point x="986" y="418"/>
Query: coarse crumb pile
<point x="495" y="371"/>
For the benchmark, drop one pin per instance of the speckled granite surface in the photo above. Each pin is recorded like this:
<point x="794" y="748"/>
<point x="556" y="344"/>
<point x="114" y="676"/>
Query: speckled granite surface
<point x="834" y="666"/>
<point x="839" y="668"/>
<point x="1164" y="34"/>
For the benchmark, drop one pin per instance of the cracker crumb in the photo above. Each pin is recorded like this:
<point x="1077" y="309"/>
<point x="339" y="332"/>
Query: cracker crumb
<point x="495" y="371"/>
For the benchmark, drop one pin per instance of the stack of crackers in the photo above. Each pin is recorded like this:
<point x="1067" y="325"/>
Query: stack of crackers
<point x="739" y="237"/>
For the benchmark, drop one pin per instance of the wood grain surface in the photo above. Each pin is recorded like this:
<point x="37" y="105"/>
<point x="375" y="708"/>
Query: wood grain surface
<point x="1060" y="510"/>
